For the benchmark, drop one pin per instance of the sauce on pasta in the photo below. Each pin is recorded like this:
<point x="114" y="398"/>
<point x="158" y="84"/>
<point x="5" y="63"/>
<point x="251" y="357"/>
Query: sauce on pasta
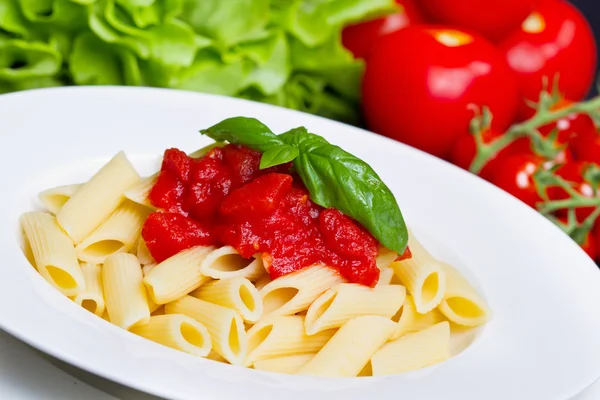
<point x="224" y="198"/>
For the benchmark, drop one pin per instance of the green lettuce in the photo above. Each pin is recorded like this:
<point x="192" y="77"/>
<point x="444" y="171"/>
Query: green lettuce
<point x="283" y="52"/>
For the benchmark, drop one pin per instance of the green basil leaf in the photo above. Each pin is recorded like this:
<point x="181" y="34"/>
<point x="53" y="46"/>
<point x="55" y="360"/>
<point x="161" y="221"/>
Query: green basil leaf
<point x="336" y="178"/>
<point x="244" y="131"/>
<point x="278" y="155"/>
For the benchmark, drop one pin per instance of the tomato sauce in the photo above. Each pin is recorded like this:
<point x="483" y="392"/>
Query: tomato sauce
<point x="225" y="199"/>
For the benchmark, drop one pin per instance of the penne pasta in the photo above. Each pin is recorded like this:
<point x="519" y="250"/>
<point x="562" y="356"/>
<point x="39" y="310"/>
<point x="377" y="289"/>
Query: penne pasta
<point x="262" y="281"/>
<point x="139" y="192"/>
<point x="461" y="337"/>
<point x="53" y="253"/>
<point x="54" y="199"/>
<point x="346" y="301"/>
<point x="92" y="298"/>
<point x="225" y="262"/>
<point x="177" y="276"/>
<point x="282" y="336"/>
<point x="423" y="277"/>
<point x="118" y="233"/>
<point x="409" y="320"/>
<point x="225" y="326"/>
<point x="213" y="355"/>
<point x="294" y="292"/>
<point x="284" y="365"/>
<point x="147" y="268"/>
<point x="237" y="293"/>
<point x="177" y="331"/>
<point x="385" y="258"/>
<point x="143" y="254"/>
<point x="97" y="199"/>
<point x="124" y="291"/>
<point x="386" y="276"/>
<point x="461" y="303"/>
<point x="413" y="351"/>
<point x="356" y="341"/>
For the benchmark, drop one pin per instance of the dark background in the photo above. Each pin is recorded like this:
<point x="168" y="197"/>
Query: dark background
<point x="591" y="9"/>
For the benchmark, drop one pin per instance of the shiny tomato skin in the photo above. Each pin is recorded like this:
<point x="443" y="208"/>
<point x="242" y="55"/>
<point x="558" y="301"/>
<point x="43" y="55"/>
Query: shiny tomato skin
<point x="515" y="175"/>
<point x="572" y="172"/>
<point x="420" y="82"/>
<point x="359" y="38"/>
<point x="178" y="163"/>
<point x="465" y="150"/>
<point x="493" y="19"/>
<point x="555" y="40"/>
<point x="590" y="246"/>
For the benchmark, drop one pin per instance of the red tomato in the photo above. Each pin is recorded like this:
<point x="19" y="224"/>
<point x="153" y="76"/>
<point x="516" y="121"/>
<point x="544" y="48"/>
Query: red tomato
<point x="573" y="172"/>
<point x="492" y="18"/>
<point x="589" y="245"/>
<point x="465" y="150"/>
<point x="515" y="175"/>
<point x="555" y="40"/>
<point x="420" y="81"/>
<point x="359" y="38"/>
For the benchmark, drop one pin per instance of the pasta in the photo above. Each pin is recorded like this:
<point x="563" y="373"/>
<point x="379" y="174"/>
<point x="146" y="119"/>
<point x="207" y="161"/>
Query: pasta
<point x="413" y="351"/>
<point x="461" y="303"/>
<point x="124" y="291"/>
<point x="225" y="326"/>
<point x="54" y="199"/>
<point x="324" y="314"/>
<point x="177" y="331"/>
<point x="357" y="341"/>
<point x="97" y="199"/>
<point x="284" y="365"/>
<point x="236" y="293"/>
<point x="226" y="262"/>
<point x="423" y="277"/>
<point x="294" y="292"/>
<point x="92" y="298"/>
<point x="53" y="253"/>
<point x="139" y="192"/>
<point x="177" y="276"/>
<point x="346" y="301"/>
<point x="282" y="336"/>
<point x="118" y="233"/>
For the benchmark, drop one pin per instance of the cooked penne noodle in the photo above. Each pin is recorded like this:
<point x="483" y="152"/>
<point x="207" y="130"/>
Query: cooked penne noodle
<point x="143" y="254"/>
<point x="139" y="192"/>
<point x="53" y="253"/>
<point x="262" y="281"/>
<point x="54" y="199"/>
<point x="461" y="303"/>
<point x="284" y="365"/>
<point x="346" y="301"/>
<point x="409" y="320"/>
<point x="225" y="326"/>
<point x="97" y="199"/>
<point x="159" y="310"/>
<point x="118" y="233"/>
<point x="124" y="291"/>
<point x="225" y="262"/>
<point x="461" y="337"/>
<point x="177" y="276"/>
<point x="152" y="306"/>
<point x="177" y="331"/>
<point x="296" y="291"/>
<point x="423" y="277"/>
<point x="386" y="276"/>
<point x="92" y="298"/>
<point x="413" y="351"/>
<point x="213" y="355"/>
<point x="282" y="336"/>
<point x="350" y="349"/>
<point x="237" y="293"/>
<point x="385" y="258"/>
<point x="147" y="268"/>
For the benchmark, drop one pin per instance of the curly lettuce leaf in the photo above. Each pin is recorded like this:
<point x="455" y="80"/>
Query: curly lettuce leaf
<point x="21" y="60"/>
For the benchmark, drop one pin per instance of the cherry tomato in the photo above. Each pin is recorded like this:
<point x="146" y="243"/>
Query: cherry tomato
<point x="359" y="38"/>
<point x="420" y="81"/>
<point x="573" y="173"/>
<point x="569" y="127"/>
<point x="492" y="18"/>
<point x="554" y="41"/>
<point x="465" y="150"/>
<point x="589" y="245"/>
<point x="515" y="175"/>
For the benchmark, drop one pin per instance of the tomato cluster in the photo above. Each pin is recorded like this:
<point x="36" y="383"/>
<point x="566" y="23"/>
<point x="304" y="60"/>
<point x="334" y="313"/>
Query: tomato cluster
<point x="432" y="67"/>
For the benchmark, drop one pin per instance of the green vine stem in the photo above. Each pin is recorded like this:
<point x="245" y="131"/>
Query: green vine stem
<point x="529" y="129"/>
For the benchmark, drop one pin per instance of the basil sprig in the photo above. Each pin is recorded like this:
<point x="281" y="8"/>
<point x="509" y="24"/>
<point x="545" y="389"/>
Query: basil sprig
<point x="333" y="177"/>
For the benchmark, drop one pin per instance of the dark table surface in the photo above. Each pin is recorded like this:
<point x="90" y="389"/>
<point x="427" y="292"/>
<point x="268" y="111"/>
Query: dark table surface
<point x="591" y="9"/>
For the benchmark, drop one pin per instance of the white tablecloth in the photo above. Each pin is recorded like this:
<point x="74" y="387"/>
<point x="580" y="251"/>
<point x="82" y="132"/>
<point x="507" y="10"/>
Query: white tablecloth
<point x="27" y="375"/>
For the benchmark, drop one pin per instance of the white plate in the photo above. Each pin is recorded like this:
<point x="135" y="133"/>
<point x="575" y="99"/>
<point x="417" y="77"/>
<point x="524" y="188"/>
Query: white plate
<point x="544" y="341"/>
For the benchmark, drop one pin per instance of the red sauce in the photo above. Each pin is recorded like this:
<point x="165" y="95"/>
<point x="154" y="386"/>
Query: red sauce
<point x="224" y="198"/>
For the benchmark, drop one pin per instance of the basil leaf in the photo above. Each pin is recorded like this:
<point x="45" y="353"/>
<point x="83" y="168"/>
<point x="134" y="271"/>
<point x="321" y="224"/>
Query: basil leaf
<point x="278" y="155"/>
<point x="249" y="132"/>
<point x="336" y="178"/>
